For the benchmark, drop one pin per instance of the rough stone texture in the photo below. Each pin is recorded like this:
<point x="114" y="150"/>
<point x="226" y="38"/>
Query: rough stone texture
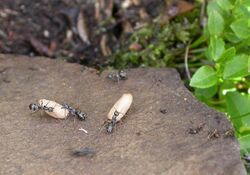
<point x="146" y="141"/>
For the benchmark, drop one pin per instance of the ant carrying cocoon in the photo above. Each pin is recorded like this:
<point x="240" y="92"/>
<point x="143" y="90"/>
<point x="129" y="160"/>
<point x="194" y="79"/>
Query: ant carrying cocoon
<point x="75" y="112"/>
<point x="118" y="111"/>
<point x="52" y="108"/>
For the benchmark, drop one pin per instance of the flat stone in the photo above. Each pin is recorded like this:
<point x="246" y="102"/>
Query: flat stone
<point x="166" y="131"/>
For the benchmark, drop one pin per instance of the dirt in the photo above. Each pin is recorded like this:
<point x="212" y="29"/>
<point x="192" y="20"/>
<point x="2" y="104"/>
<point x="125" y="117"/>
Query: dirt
<point x="86" y="32"/>
<point x="146" y="141"/>
<point x="49" y="28"/>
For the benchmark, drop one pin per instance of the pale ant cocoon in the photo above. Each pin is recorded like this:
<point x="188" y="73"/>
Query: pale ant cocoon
<point x="121" y="107"/>
<point x="58" y="111"/>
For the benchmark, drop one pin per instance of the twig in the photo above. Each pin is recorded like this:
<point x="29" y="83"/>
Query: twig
<point x="81" y="129"/>
<point x="213" y="134"/>
<point x="97" y="11"/>
<point x="82" y="28"/>
<point x="186" y="61"/>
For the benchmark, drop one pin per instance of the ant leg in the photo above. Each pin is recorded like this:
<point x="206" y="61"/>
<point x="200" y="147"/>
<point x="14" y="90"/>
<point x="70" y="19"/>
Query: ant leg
<point x="104" y="123"/>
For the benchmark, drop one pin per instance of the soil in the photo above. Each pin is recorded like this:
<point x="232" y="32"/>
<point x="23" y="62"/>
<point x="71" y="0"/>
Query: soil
<point x="81" y="31"/>
<point x="146" y="141"/>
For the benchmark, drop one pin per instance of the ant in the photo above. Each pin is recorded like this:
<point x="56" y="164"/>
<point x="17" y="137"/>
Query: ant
<point x="246" y="157"/>
<point x="84" y="152"/>
<point x="35" y="107"/>
<point x="75" y="112"/>
<point x="111" y="123"/>
<point x="121" y="75"/>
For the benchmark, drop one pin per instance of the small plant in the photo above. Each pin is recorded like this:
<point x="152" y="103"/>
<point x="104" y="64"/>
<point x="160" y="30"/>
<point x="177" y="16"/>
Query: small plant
<point x="158" y="45"/>
<point x="224" y="81"/>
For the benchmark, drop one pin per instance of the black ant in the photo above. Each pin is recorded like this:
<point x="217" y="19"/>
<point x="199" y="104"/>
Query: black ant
<point x="121" y="75"/>
<point x="84" y="152"/>
<point x="75" y="112"/>
<point x="246" y="157"/>
<point x="111" y="123"/>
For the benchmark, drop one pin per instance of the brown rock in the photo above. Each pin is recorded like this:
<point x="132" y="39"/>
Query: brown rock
<point x="146" y="141"/>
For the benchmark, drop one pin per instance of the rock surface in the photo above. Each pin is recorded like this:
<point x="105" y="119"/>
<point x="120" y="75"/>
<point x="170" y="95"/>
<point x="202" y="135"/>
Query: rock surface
<point x="154" y="137"/>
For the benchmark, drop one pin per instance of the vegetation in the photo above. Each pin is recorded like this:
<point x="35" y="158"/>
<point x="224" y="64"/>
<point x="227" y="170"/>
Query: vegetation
<point x="157" y="45"/>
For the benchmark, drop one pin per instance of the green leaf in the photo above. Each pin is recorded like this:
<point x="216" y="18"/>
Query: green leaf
<point x="216" y="48"/>
<point x="240" y="28"/>
<point x="215" y="23"/>
<point x="238" y="67"/>
<point x="204" y="77"/>
<point x="239" y="111"/>
<point x="237" y="104"/>
<point x="241" y="11"/>
<point x="202" y="39"/>
<point x="244" y="142"/>
<point x="231" y="37"/>
<point x="224" y="4"/>
<point x="226" y="85"/>
<point x="248" y="64"/>
<point x="227" y="55"/>
<point x="213" y="6"/>
<point x="206" y="93"/>
<point x="242" y="124"/>
<point x="245" y="3"/>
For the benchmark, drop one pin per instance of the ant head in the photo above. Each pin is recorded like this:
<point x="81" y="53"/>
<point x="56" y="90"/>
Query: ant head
<point x="116" y="113"/>
<point x="33" y="107"/>
<point x="50" y="109"/>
